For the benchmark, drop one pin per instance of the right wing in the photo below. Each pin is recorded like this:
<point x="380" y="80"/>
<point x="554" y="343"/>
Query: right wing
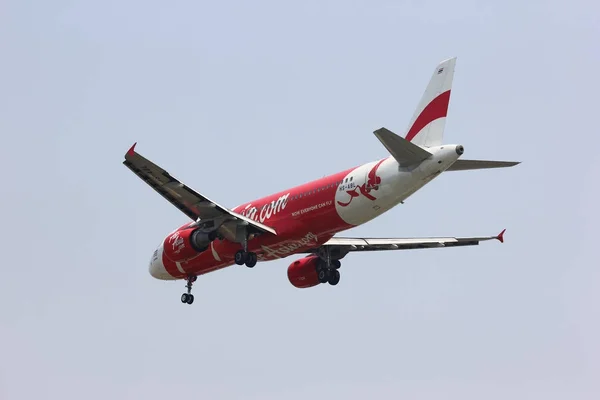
<point x="343" y="245"/>
<point x="191" y="203"/>
<point x="463" y="165"/>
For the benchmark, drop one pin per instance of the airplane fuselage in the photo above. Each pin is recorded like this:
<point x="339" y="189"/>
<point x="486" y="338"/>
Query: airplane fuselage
<point x="310" y="214"/>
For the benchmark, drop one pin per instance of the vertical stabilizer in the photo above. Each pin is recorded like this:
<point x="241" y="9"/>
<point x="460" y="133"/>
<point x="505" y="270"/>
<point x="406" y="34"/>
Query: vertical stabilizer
<point x="426" y="127"/>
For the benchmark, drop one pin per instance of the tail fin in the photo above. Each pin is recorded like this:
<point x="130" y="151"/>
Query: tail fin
<point x="427" y="125"/>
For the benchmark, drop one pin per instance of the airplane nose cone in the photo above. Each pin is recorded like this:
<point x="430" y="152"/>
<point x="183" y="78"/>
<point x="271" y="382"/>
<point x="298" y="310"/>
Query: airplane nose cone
<point x="156" y="268"/>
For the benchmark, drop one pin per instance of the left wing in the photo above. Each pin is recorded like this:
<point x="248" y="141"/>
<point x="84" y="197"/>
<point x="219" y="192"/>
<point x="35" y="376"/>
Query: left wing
<point x="191" y="203"/>
<point x="345" y="245"/>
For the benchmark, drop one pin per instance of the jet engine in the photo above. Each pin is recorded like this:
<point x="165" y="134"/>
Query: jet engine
<point x="186" y="244"/>
<point x="302" y="273"/>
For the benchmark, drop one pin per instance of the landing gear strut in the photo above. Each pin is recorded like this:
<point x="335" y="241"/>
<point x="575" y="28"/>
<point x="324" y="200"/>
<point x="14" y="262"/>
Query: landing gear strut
<point x="189" y="297"/>
<point x="245" y="257"/>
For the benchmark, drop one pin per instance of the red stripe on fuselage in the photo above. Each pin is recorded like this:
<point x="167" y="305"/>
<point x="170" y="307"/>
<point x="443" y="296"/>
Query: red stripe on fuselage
<point x="437" y="108"/>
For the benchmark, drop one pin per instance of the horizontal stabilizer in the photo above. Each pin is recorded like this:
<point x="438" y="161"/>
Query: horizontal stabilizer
<point x="463" y="165"/>
<point x="405" y="152"/>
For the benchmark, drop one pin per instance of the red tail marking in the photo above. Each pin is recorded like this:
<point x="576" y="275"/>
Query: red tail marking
<point x="500" y="237"/>
<point x="373" y="182"/>
<point x="353" y="193"/>
<point x="437" y="108"/>
<point x="366" y="191"/>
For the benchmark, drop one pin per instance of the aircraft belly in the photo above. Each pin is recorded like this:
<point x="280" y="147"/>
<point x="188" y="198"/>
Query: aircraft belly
<point x="221" y="253"/>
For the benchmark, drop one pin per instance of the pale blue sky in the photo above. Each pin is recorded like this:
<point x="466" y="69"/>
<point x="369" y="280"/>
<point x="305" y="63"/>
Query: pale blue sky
<point x="241" y="99"/>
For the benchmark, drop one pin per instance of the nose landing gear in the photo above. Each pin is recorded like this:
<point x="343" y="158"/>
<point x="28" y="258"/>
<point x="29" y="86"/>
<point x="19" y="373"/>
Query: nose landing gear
<point x="189" y="297"/>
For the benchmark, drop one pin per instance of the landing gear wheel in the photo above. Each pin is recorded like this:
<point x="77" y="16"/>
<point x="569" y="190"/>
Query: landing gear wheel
<point x="251" y="260"/>
<point x="189" y="297"/>
<point x="240" y="257"/>
<point x="336" y="264"/>
<point x="334" y="277"/>
<point x="323" y="275"/>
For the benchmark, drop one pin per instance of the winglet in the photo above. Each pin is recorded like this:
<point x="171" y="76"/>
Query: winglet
<point x="500" y="237"/>
<point x="131" y="151"/>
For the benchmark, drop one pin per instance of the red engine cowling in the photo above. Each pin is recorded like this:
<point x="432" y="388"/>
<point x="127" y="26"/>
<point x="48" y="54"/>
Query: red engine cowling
<point x="302" y="273"/>
<point x="185" y="244"/>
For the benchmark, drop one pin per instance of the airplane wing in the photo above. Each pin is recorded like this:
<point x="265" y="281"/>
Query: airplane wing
<point x="343" y="245"/>
<point x="191" y="203"/>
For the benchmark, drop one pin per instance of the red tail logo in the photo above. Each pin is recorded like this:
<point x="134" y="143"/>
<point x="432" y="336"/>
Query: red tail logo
<point x="373" y="182"/>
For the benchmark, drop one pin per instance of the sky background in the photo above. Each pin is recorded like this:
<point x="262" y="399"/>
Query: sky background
<point x="242" y="99"/>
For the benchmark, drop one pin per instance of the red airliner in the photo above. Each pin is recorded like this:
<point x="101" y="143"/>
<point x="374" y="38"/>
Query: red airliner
<point x="305" y="219"/>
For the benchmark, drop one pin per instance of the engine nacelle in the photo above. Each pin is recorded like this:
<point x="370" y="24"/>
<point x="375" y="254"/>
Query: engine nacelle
<point x="186" y="244"/>
<point x="302" y="273"/>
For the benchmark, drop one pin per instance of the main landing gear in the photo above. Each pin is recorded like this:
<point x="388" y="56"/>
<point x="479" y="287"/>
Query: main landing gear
<point x="328" y="272"/>
<point x="189" y="297"/>
<point x="245" y="257"/>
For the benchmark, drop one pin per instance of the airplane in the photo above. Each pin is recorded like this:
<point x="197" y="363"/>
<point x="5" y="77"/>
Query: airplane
<point x="304" y="220"/>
